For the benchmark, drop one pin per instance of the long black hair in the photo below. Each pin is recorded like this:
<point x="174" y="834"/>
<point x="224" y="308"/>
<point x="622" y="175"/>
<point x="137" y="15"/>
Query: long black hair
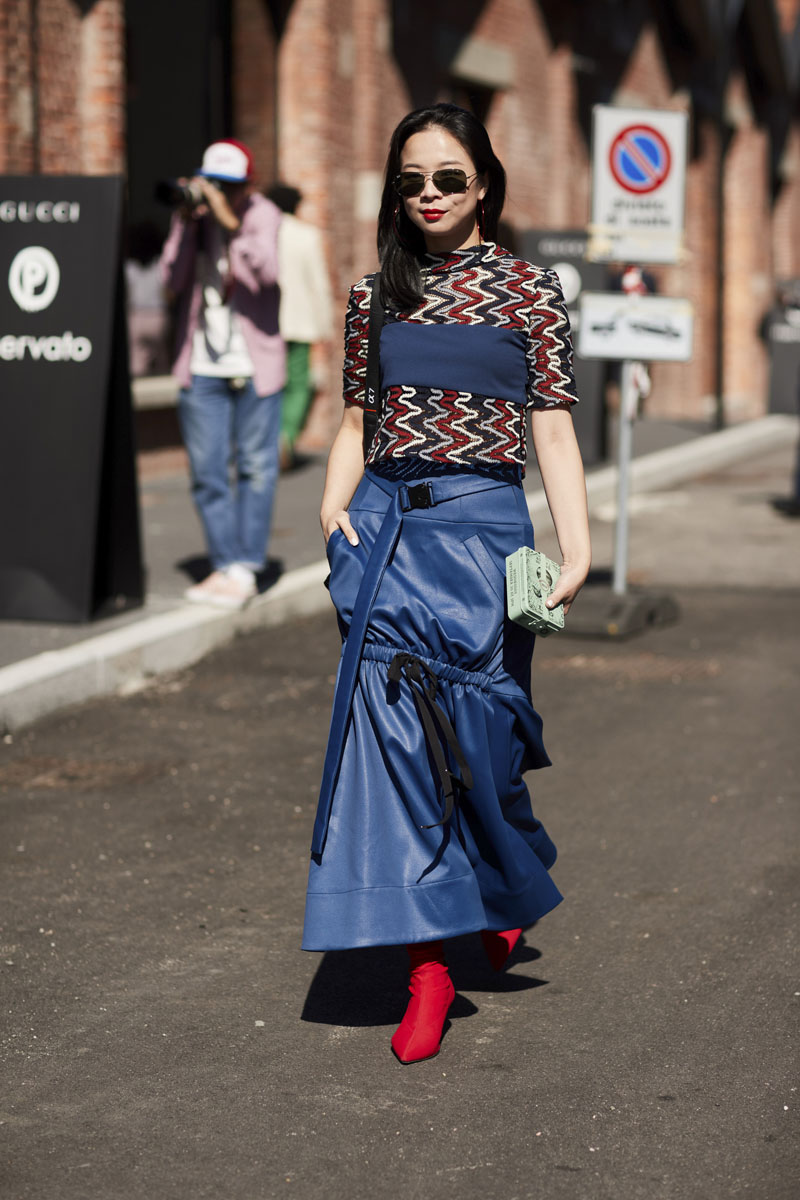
<point x="400" y="244"/>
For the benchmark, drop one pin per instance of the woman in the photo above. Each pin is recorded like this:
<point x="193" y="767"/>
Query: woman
<point x="424" y="829"/>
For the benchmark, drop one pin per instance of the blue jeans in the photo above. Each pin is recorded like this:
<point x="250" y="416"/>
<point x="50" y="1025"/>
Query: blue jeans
<point x="219" y="424"/>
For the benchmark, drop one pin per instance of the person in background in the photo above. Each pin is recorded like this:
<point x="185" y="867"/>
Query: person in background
<point x="147" y="312"/>
<point x="305" y="312"/>
<point x="220" y="265"/>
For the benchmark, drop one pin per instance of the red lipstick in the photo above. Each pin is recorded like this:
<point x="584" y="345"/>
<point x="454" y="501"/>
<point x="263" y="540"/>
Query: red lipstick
<point x="433" y="214"/>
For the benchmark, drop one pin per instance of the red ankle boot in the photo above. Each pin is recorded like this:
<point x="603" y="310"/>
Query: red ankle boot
<point x="419" y="1034"/>
<point x="498" y="944"/>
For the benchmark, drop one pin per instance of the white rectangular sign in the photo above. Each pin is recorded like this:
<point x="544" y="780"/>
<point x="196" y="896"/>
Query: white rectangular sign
<point x="650" y="328"/>
<point x="638" y="185"/>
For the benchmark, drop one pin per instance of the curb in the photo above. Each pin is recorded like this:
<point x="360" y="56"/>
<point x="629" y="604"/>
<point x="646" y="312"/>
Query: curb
<point x="126" y="659"/>
<point x="689" y="460"/>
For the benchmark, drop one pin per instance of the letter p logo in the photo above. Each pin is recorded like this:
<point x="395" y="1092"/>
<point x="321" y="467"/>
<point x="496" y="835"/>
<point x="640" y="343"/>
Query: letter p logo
<point x="33" y="278"/>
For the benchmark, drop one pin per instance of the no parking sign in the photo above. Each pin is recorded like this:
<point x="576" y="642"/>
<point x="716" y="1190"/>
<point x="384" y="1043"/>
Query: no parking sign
<point x="638" y="185"/>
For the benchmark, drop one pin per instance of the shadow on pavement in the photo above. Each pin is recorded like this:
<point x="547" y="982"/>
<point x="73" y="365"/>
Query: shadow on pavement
<point x="367" y="987"/>
<point x="197" y="567"/>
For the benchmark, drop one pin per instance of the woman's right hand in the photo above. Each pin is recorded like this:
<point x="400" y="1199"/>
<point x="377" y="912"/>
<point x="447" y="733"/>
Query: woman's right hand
<point x="338" y="520"/>
<point x="345" y="469"/>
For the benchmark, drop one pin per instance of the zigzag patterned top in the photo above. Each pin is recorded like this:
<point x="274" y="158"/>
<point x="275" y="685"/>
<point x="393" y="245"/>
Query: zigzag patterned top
<point x="490" y="339"/>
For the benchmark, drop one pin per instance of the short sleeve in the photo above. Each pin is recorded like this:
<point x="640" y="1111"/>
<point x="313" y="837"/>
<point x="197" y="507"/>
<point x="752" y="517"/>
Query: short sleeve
<point x="551" y="379"/>
<point x="356" y="341"/>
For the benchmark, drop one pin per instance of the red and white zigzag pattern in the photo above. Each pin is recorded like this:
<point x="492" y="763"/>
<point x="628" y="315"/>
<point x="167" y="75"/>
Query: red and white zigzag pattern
<point x="481" y="286"/>
<point x="449" y="427"/>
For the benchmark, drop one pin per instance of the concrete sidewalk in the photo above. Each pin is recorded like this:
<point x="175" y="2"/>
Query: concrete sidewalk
<point x="43" y="667"/>
<point x="163" y="1038"/>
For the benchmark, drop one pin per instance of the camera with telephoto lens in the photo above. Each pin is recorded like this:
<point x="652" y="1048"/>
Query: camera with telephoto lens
<point x="178" y="195"/>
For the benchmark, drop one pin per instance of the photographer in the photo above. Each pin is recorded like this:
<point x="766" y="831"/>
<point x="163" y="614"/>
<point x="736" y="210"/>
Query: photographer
<point x="220" y="265"/>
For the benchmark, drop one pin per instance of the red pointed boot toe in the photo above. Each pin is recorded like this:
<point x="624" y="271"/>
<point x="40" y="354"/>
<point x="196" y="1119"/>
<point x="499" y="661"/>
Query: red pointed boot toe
<point x="498" y="944"/>
<point x="419" y="1035"/>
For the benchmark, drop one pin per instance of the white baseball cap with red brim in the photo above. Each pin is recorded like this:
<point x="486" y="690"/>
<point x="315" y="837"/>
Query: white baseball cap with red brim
<point x="227" y="160"/>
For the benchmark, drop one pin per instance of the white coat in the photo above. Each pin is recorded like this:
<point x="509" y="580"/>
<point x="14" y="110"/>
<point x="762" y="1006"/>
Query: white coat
<point x="306" y="307"/>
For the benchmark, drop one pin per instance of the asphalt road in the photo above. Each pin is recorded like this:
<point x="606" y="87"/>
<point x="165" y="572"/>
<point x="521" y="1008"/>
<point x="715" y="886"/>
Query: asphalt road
<point x="164" y="1037"/>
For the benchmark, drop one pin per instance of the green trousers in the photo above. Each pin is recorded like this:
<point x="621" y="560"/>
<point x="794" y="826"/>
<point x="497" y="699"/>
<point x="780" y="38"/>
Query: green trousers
<point x="297" y="393"/>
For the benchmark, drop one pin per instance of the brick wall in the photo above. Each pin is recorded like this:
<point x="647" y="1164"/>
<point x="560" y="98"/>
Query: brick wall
<point x="786" y="218"/>
<point x="341" y="90"/>
<point x="788" y="13"/>
<point x="689" y="389"/>
<point x="62" y="103"/>
<point x="339" y="97"/>
<point x="17" y="98"/>
<point x="748" y="258"/>
<point x="255" y="84"/>
<point x="101" y="88"/>
<point x="318" y="96"/>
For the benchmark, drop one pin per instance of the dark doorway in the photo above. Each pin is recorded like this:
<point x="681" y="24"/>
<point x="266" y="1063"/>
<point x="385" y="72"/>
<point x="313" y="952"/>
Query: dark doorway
<point x="178" y="58"/>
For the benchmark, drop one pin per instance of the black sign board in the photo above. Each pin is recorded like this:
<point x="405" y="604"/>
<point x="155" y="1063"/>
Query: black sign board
<point x="69" y="538"/>
<point x="564" y="249"/>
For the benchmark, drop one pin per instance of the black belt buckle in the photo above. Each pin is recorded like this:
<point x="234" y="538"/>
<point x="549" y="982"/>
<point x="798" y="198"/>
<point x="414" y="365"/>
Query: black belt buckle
<point x="420" y="495"/>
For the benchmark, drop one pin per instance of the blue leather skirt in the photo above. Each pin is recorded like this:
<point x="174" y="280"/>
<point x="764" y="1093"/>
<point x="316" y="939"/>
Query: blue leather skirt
<point x="424" y="828"/>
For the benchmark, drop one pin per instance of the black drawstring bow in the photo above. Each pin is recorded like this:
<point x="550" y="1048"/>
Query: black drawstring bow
<point x="424" y="684"/>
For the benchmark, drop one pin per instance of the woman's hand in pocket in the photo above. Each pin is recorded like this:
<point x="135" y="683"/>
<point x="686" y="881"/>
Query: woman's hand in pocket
<point x="338" y="520"/>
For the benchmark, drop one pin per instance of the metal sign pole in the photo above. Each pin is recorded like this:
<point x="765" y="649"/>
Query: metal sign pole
<point x="618" y="612"/>
<point x="638" y="201"/>
<point x="627" y="410"/>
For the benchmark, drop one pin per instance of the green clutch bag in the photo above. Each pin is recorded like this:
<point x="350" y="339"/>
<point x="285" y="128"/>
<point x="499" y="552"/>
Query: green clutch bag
<point x="530" y="578"/>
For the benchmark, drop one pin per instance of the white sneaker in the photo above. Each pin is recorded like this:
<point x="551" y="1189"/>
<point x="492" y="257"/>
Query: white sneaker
<point x="242" y="574"/>
<point x="224" y="589"/>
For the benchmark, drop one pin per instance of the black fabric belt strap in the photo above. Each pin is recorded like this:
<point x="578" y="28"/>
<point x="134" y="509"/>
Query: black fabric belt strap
<point x="403" y="500"/>
<point x="424" y="690"/>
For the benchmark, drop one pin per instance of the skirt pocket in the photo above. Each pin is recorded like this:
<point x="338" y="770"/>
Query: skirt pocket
<point x="489" y="561"/>
<point x="487" y="566"/>
<point x="333" y="537"/>
<point x="346" y="564"/>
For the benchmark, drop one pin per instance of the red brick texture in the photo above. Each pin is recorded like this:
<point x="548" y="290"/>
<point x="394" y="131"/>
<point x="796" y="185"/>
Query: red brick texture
<point x="749" y="284"/>
<point x="16" y="89"/>
<point x="318" y="96"/>
<point x="788" y="13"/>
<point x="254" y="84"/>
<point x="62" y="87"/>
<point x="341" y="91"/>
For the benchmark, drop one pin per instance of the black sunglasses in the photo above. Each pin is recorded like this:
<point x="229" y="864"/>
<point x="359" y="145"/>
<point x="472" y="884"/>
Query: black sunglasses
<point x="449" y="181"/>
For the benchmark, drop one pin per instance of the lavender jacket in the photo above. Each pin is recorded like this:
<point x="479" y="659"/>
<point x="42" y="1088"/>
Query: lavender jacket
<point x="256" y="297"/>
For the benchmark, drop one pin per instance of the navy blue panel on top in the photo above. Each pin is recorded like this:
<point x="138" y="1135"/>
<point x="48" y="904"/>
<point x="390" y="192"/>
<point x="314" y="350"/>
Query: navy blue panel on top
<point x="461" y="358"/>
